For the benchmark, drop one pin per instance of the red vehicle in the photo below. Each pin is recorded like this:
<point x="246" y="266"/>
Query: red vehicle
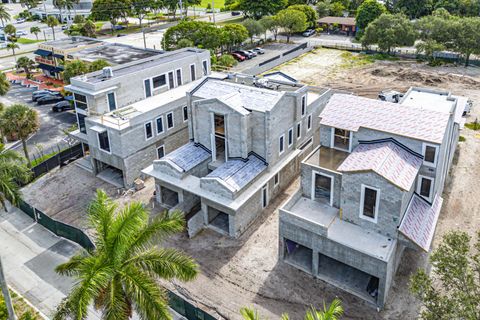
<point x="238" y="57"/>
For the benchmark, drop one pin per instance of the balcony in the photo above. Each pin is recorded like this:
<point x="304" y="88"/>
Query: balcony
<point x="327" y="158"/>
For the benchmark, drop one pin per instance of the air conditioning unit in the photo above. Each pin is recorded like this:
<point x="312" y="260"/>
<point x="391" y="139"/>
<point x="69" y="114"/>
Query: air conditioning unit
<point x="107" y="72"/>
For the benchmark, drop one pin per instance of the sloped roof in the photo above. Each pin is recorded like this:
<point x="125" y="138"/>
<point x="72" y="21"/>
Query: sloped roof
<point x="280" y="76"/>
<point x="339" y="20"/>
<point x="420" y="221"/>
<point x="351" y="112"/>
<point x="388" y="159"/>
<point x="249" y="97"/>
<point x="238" y="173"/>
<point x="187" y="156"/>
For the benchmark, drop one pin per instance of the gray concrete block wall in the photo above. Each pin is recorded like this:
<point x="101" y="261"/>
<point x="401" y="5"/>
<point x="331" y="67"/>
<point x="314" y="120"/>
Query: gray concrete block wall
<point x="306" y="182"/>
<point x="389" y="209"/>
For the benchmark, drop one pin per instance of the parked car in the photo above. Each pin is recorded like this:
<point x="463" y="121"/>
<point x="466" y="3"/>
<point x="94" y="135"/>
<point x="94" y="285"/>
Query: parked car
<point x="64" y="27"/>
<point x="245" y="53"/>
<point x="235" y="13"/>
<point x="308" y="33"/>
<point x="62" y="106"/>
<point x="259" y="50"/>
<point x="390" y="96"/>
<point x="40" y="93"/>
<point x="49" y="98"/>
<point x="254" y="54"/>
<point x="20" y="20"/>
<point x="238" y="57"/>
<point x="20" y="33"/>
<point x="119" y="27"/>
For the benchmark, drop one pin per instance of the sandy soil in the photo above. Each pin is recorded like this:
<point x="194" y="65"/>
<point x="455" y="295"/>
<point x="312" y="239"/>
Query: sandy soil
<point x="246" y="271"/>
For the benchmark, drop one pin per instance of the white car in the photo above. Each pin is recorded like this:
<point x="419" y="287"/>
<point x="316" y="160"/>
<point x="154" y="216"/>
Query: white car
<point x="20" y="33"/>
<point x="20" y="20"/>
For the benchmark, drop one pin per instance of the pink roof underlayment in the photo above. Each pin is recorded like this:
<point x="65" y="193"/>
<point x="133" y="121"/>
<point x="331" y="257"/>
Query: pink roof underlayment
<point x="391" y="161"/>
<point x="350" y="112"/>
<point x="420" y="221"/>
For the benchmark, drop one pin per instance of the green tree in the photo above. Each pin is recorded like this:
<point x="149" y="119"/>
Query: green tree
<point x="79" y="19"/>
<point x="184" y="43"/>
<point x="414" y="8"/>
<point x="323" y="8"/>
<point x="452" y="290"/>
<point x="4" y="84"/>
<point x="13" y="46"/>
<point x="227" y="60"/>
<point x="98" y="65"/>
<point x="366" y="13"/>
<point x="35" y="30"/>
<point x="52" y="22"/>
<point x="10" y="30"/>
<point x="466" y="37"/>
<point x="337" y="9"/>
<point x="60" y="5"/>
<point x="29" y="4"/>
<point x="4" y="15"/>
<point x="428" y="48"/>
<point x="202" y="34"/>
<point x="310" y="13"/>
<point x="233" y="35"/>
<point x="292" y="21"/>
<point x="110" y="10"/>
<point x="88" y="29"/>
<point x="13" y="170"/>
<point x="26" y="64"/>
<point x="74" y="68"/>
<point x="270" y="23"/>
<point x="259" y="8"/>
<point x="140" y="8"/>
<point x="121" y="274"/>
<point x="20" y="121"/>
<point x="253" y="27"/>
<point x="389" y="31"/>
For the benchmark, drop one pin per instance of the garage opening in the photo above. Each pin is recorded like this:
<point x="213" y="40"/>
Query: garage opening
<point x="168" y="197"/>
<point x="109" y="174"/>
<point x="348" y="277"/>
<point x="298" y="255"/>
<point x="218" y="219"/>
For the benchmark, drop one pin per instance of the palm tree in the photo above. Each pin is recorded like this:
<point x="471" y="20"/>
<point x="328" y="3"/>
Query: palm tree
<point x="35" y="31"/>
<point x="4" y="15"/>
<point x="333" y="312"/>
<point x="12" y="46"/>
<point x="26" y="64"/>
<point x="13" y="170"/>
<point x="120" y="275"/>
<point x="4" y="84"/>
<point x="52" y="22"/>
<point x="60" y="4"/>
<point x="20" y="121"/>
<point x="10" y="30"/>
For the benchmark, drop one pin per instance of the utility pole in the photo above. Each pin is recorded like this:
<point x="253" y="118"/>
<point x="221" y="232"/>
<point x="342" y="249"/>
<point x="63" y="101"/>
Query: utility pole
<point x="6" y="294"/>
<point x="181" y="10"/>
<point x="213" y="11"/>
<point x="144" y="41"/>
<point x="44" y="35"/>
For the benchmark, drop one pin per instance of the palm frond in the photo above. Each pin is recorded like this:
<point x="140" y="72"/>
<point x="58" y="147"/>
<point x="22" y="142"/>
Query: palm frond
<point x="100" y="214"/>
<point x="72" y="266"/>
<point x="249" y="314"/>
<point x="115" y="304"/>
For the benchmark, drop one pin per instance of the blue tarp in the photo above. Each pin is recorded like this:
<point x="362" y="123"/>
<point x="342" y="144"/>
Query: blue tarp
<point x="43" y="53"/>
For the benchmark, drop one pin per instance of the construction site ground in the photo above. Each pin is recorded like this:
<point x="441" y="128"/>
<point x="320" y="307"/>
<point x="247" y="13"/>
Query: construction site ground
<point x="246" y="271"/>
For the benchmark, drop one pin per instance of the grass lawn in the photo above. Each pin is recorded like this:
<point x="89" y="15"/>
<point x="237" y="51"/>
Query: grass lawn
<point x="27" y="41"/>
<point x="236" y="20"/>
<point x="37" y="161"/>
<point x="473" y="125"/>
<point x="218" y="3"/>
<point x="99" y="24"/>
<point x="22" y="309"/>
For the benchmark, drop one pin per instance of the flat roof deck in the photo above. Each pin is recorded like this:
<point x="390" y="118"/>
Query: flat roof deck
<point x="115" y="53"/>
<point x="425" y="99"/>
<point x="327" y="158"/>
<point x="314" y="211"/>
<point x="72" y="42"/>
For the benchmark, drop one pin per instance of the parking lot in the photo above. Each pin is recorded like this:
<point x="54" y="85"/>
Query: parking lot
<point x="51" y="134"/>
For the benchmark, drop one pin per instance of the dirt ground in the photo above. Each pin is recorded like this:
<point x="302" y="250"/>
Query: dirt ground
<point x="246" y="271"/>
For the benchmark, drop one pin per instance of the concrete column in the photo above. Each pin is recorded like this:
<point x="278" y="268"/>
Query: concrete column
<point x="314" y="262"/>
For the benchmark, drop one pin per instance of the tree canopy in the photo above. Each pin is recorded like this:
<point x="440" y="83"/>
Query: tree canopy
<point x="13" y="170"/>
<point x="253" y="27"/>
<point x="292" y="21"/>
<point x="451" y="291"/>
<point x="367" y="12"/>
<point x="74" y="68"/>
<point x="259" y="8"/>
<point x="309" y="12"/>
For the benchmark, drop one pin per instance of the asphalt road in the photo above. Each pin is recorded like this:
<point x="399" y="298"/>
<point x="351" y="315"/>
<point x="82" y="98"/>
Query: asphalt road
<point x="50" y="136"/>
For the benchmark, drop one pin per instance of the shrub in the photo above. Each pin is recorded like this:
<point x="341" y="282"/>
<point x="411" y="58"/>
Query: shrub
<point x="461" y="139"/>
<point x="226" y="60"/>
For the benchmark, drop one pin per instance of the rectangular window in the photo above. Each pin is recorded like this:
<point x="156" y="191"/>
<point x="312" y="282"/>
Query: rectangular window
<point x="309" y="122"/>
<point x="264" y="196"/>
<point x="341" y="139"/>
<point x="281" y="144"/>
<point x="103" y="142"/>
<point x="322" y="187"/>
<point x="148" y="130"/>
<point x="185" y="113"/>
<point x="112" y="104"/>
<point x="205" y="67"/>
<point x="81" y="123"/>
<point x="299" y="130"/>
<point x="430" y="155"/>
<point x="369" y="203"/>
<point x="80" y="101"/>
<point x="276" y="180"/>
<point x="290" y="137"/>
<point x="159" y="81"/>
<point x="171" y="80"/>
<point x="160" y="152"/>
<point x="148" y="88"/>
<point x="304" y="105"/>
<point x="169" y="120"/>
<point x="192" y="72"/>
<point x="159" y="121"/>
<point x="425" y="186"/>
<point x="179" y="77"/>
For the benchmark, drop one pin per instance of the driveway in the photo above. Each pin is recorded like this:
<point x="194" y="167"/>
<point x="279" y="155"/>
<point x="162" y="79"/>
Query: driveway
<point x="51" y="134"/>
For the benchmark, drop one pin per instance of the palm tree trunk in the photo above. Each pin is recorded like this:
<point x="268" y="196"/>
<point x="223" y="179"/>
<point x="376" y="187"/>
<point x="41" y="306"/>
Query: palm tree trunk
<point x="6" y="294"/>
<point x="25" y="150"/>
<point x="53" y="31"/>
<point x="36" y="35"/>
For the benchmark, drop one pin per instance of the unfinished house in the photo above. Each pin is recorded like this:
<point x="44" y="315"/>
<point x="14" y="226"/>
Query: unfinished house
<point x="371" y="189"/>
<point x="134" y="112"/>
<point x="247" y="137"/>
